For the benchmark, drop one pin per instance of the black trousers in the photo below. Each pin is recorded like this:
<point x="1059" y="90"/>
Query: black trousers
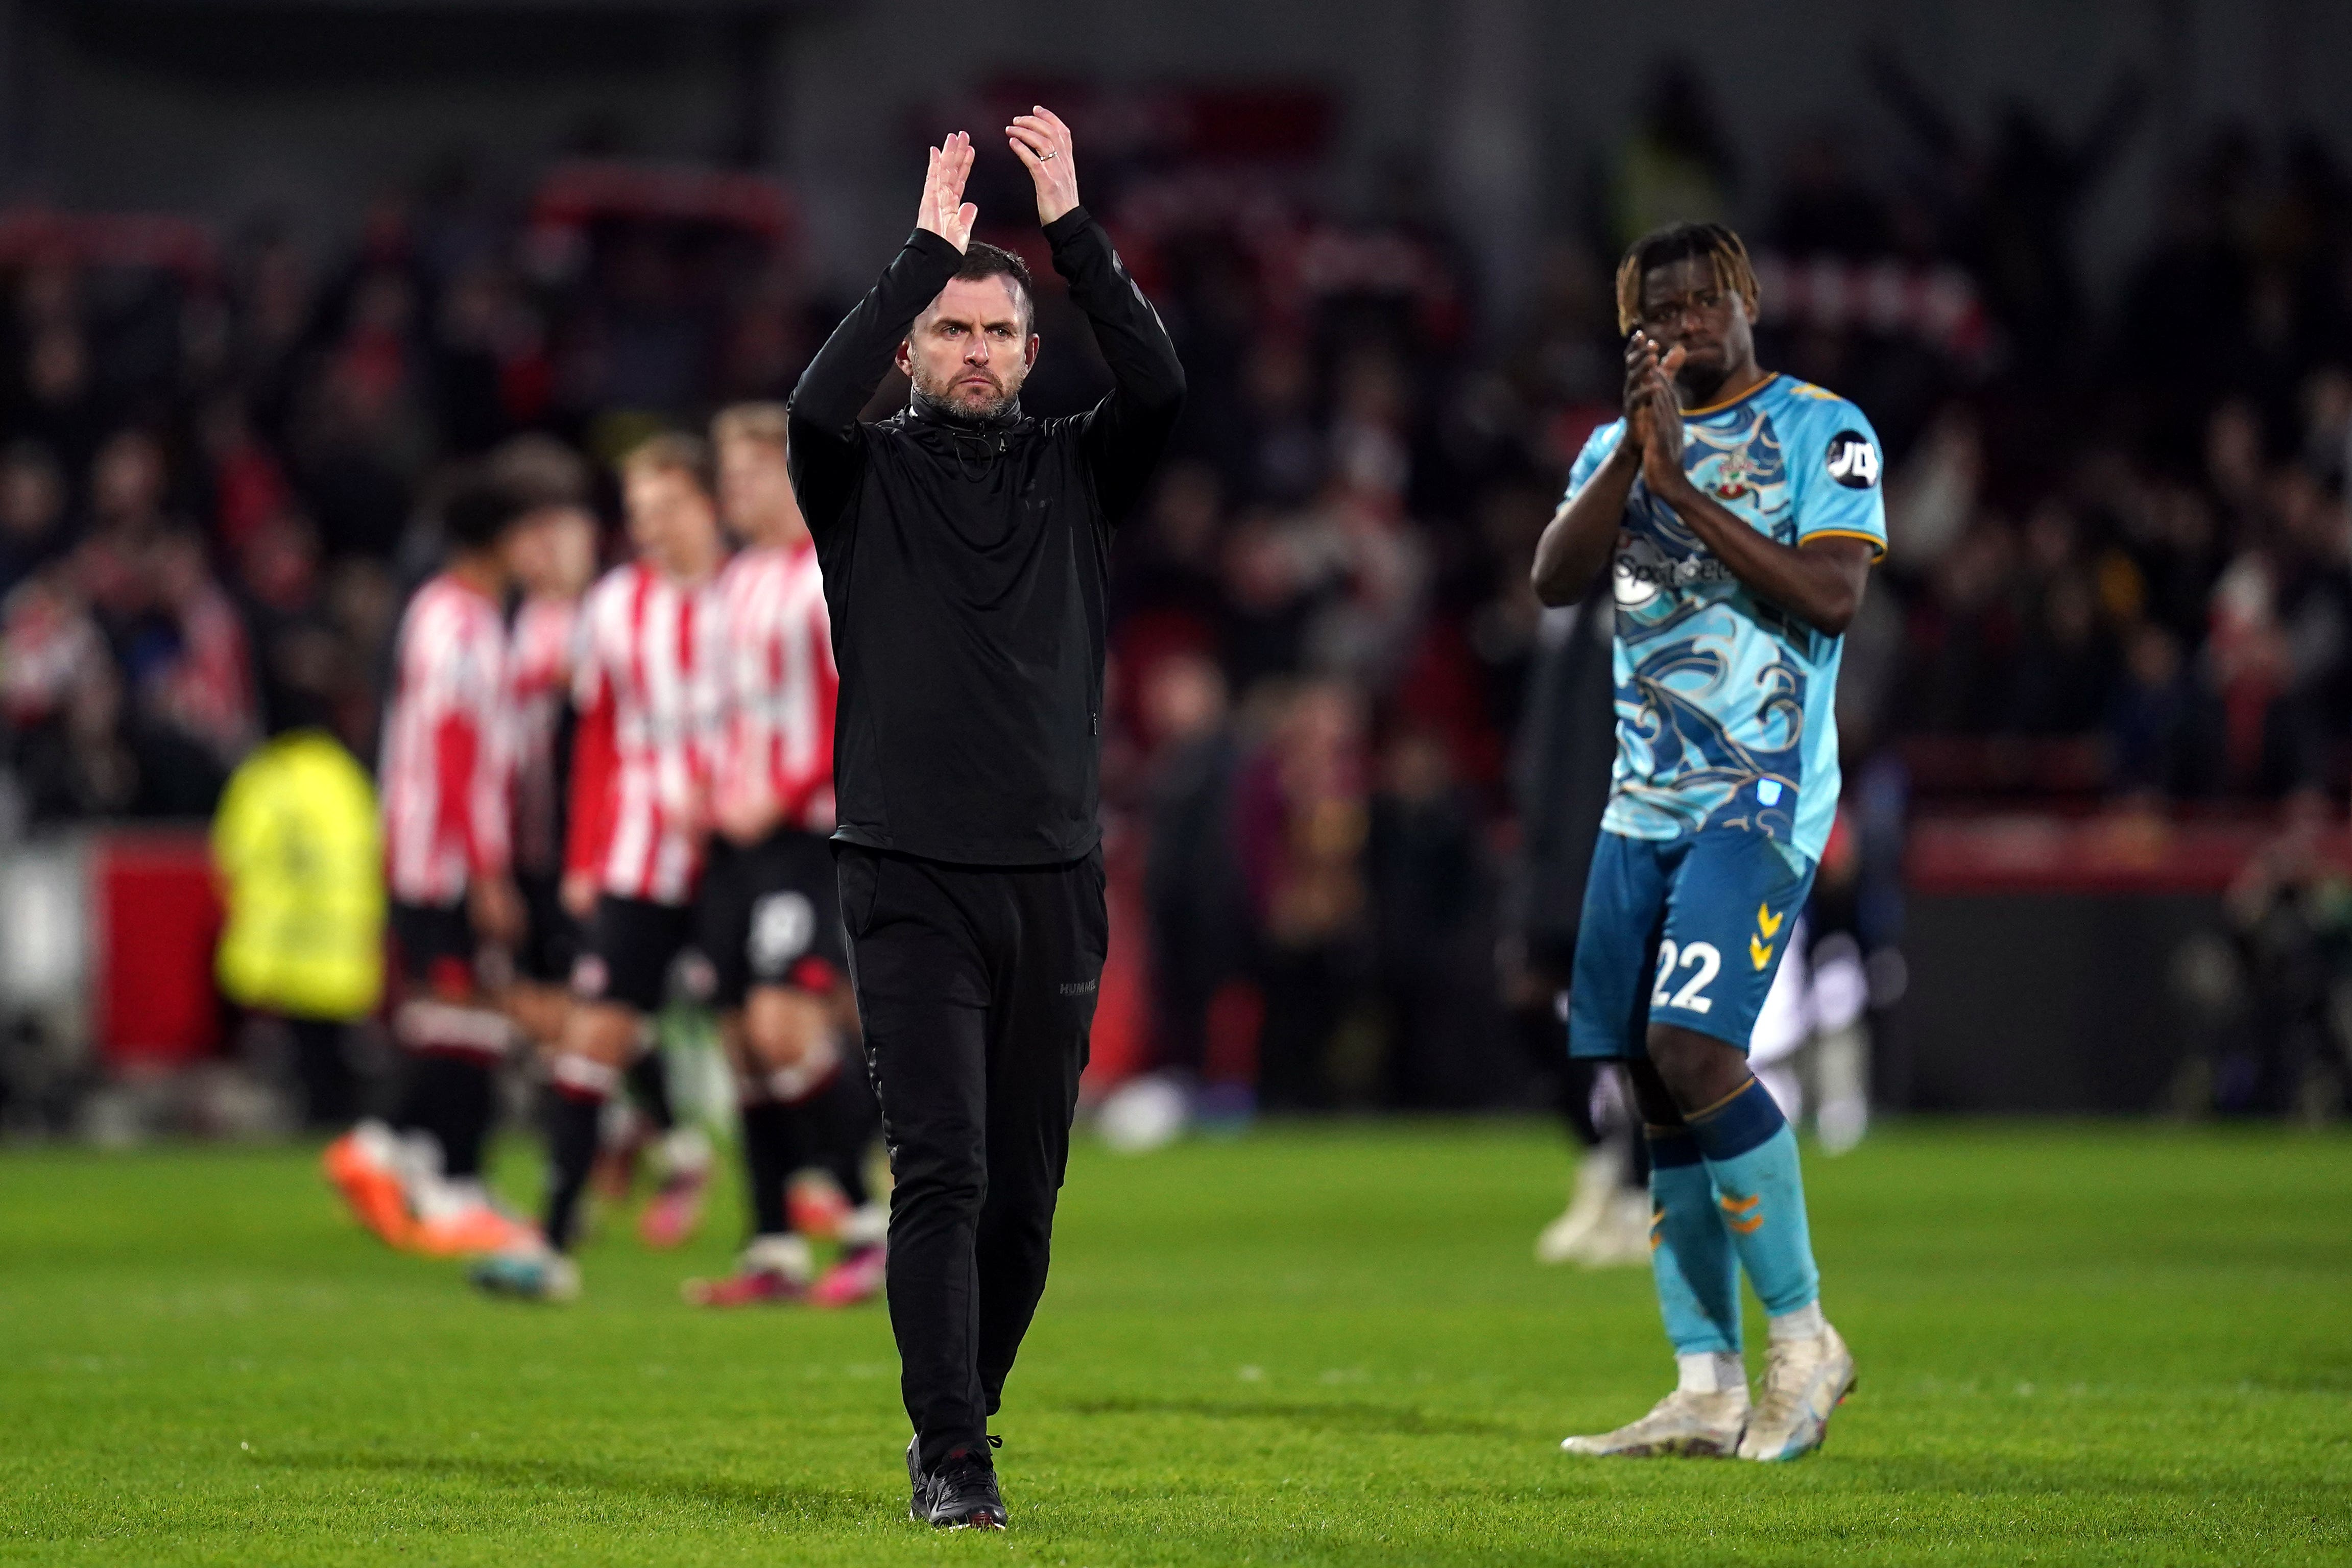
<point x="976" y="986"/>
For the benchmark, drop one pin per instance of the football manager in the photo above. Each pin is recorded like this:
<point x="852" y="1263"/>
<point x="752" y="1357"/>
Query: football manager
<point x="965" y="547"/>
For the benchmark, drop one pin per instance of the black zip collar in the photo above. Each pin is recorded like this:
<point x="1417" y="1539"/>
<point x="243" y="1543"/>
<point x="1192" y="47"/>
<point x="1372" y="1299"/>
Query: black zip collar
<point x="933" y="415"/>
<point x="973" y="443"/>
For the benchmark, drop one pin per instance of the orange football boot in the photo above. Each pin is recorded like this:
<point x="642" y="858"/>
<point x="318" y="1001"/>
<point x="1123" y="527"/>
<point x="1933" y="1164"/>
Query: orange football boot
<point x="360" y="1165"/>
<point x="469" y="1232"/>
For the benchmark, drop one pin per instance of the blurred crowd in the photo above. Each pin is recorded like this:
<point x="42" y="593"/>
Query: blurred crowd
<point x="2119" y="564"/>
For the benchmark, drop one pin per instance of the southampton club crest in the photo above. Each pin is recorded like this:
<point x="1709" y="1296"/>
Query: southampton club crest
<point x="1731" y="476"/>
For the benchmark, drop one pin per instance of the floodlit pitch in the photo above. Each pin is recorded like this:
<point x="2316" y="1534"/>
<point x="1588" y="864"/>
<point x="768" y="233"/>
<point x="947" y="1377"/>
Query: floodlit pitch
<point x="1309" y="1345"/>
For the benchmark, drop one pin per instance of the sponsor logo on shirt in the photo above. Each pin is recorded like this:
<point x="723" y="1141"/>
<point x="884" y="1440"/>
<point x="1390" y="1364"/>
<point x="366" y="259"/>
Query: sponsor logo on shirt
<point x="1852" y="460"/>
<point x="1641" y="572"/>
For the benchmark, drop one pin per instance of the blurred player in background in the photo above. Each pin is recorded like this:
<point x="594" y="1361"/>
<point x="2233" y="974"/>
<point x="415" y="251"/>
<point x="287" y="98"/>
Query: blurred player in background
<point x="1740" y="512"/>
<point x="770" y="916"/>
<point x="447" y="787"/>
<point x="554" y="560"/>
<point x="645" y="1122"/>
<point x="646" y="686"/>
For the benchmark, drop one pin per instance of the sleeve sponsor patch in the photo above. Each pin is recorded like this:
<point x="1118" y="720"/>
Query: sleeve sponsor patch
<point x="1853" y="460"/>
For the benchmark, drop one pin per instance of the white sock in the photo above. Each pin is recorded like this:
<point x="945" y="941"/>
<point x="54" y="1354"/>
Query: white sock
<point x="440" y="1198"/>
<point x="467" y="1191"/>
<point x="866" y="1226"/>
<point x="1805" y="1322"/>
<point x="686" y="1151"/>
<point x="785" y="1255"/>
<point x="1710" y="1372"/>
<point x="417" y="1158"/>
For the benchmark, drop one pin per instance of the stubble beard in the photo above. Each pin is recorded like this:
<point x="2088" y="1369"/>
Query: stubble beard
<point x="967" y="402"/>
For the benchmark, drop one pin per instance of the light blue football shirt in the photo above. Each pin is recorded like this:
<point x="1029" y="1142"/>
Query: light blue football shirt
<point x="1725" y="704"/>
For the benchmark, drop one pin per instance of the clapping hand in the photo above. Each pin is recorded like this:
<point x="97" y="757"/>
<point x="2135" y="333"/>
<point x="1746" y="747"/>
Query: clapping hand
<point x="944" y="211"/>
<point x="1653" y="413"/>
<point x="1040" y="139"/>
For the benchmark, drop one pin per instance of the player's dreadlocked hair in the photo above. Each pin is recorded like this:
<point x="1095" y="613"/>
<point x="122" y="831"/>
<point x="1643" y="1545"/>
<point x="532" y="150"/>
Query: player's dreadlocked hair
<point x="1680" y="242"/>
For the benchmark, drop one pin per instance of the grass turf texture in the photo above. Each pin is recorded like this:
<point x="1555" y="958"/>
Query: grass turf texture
<point x="1311" y="1345"/>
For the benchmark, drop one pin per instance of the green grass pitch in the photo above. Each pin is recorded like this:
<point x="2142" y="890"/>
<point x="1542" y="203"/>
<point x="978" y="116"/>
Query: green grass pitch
<point x="1308" y="1346"/>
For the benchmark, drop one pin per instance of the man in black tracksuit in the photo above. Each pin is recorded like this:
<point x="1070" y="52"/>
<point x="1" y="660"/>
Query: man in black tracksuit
<point x="965" y="548"/>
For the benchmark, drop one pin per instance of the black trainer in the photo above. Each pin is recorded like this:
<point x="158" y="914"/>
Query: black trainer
<point x="961" y="1493"/>
<point x="914" y="1508"/>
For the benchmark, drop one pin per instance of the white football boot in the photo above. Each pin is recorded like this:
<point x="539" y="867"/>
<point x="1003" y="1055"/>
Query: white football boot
<point x="1695" y="1426"/>
<point x="1623" y="1239"/>
<point x="1804" y="1381"/>
<point x="1600" y="1176"/>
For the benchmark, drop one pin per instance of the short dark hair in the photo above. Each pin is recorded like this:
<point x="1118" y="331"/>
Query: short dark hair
<point x="1719" y="248"/>
<point x="987" y="261"/>
<point x="477" y="510"/>
<point x="539" y="471"/>
<point x="675" y="452"/>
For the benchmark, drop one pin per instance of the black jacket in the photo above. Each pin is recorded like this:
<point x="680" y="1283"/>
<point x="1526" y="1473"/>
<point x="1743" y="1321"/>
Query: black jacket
<point x="964" y="567"/>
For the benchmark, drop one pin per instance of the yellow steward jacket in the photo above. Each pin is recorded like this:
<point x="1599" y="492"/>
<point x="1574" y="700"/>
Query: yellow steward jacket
<point x="301" y="864"/>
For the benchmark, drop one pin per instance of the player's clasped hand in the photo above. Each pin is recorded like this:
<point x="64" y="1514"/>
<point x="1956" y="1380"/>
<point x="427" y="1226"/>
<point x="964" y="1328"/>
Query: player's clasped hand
<point x="1653" y="414"/>
<point x="1041" y="140"/>
<point x="1641" y="359"/>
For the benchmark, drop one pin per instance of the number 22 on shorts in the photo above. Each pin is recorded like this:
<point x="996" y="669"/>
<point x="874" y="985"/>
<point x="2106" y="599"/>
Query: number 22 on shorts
<point x="1700" y="957"/>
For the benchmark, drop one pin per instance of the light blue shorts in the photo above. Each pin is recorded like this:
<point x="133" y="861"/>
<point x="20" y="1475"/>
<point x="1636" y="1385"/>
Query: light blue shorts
<point x="1685" y="931"/>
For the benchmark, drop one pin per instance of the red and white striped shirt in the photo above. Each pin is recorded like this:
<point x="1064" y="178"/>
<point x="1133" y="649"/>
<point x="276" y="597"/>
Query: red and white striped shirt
<point x="539" y="671"/>
<point x="648" y="689"/>
<point x="776" y="744"/>
<point x="448" y="758"/>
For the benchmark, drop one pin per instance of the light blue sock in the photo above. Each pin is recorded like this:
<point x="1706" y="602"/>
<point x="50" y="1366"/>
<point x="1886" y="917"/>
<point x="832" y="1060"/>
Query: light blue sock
<point x="1690" y="1250"/>
<point x="1751" y="1153"/>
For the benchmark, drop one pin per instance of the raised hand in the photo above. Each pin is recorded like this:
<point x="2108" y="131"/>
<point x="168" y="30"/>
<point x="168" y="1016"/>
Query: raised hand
<point x="944" y="211"/>
<point x="1641" y="364"/>
<point x="1662" y="444"/>
<point x="1041" y="140"/>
